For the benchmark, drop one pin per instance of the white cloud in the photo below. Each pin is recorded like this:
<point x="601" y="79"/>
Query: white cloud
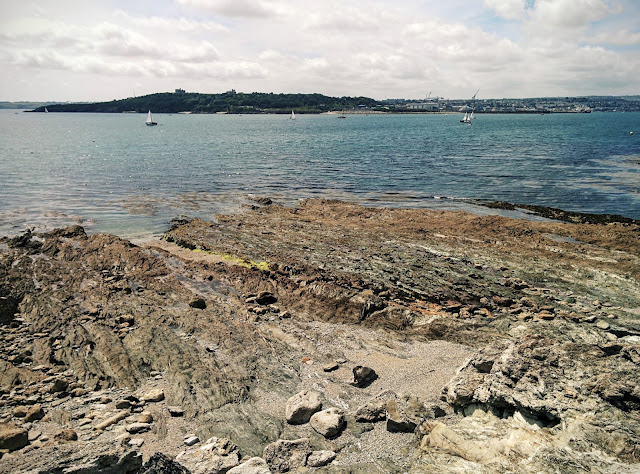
<point x="360" y="47"/>
<point x="507" y="9"/>
<point x="236" y="8"/>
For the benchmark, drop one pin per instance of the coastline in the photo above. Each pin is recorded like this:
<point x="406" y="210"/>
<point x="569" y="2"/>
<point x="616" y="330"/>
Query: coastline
<point x="494" y="341"/>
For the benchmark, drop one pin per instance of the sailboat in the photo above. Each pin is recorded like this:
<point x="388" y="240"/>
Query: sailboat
<point x="150" y="120"/>
<point x="46" y="111"/>
<point x="293" y="115"/>
<point x="468" y="117"/>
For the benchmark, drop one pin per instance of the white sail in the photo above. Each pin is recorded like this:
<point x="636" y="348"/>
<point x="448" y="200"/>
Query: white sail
<point x="149" y="118"/>
<point x="293" y="115"/>
<point x="46" y="111"/>
<point x="466" y="117"/>
<point x="471" y="116"/>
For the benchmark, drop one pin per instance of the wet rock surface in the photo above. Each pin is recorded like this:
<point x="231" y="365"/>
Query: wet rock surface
<point x="497" y="345"/>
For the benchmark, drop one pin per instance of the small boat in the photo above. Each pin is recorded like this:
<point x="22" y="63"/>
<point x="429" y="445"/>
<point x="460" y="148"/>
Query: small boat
<point x="150" y="120"/>
<point x="293" y="115"/>
<point x="46" y="111"/>
<point x="468" y="117"/>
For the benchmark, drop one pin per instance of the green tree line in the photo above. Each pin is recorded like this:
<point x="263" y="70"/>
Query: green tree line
<point x="229" y="102"/>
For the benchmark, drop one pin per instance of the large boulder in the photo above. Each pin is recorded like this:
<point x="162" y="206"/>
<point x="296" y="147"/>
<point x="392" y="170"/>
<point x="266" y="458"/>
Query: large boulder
<point x="301" y="406"/>
<point x="328" y="422"/>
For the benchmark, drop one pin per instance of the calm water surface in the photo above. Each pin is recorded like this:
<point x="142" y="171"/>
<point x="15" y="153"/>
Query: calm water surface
<point x="112" y="173"/>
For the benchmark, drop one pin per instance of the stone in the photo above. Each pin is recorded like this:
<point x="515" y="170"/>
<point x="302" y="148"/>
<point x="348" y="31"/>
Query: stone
<point x="159" y="463"/>
<point x="320" y="458"/>
<point x="145" y="417"/>
<point x="191" y="440"/>
<point x="218" y="464"/>
<point x="13" y="437"/>
<point x="301" y="406"/>
<point x="59" y="385"/>
<point x="112" y="420"/>
<point x="66" y="435"/>
<point x="20" y="412"/>
<point x="266" y="298"/>
<point x="175" y="411"/>
<point x="330" y="367"/>
<point x="253" y="465"/>
<point x="287" y="455"/>
<point x="219" y="446"/>
<point x="404" y="414"/>
<point x="601" y="324"/>
<point x="123" y="404"/>
<point x="136" y="442"/>
<point x="198" y="303"/>
<point x="328" y="422"/>
<point x="34" y="413"/>
<point x="135" y="428"/>
<point x="375" y="409"/>
<point x="34" y="435"/>
<point x="363" y="376"/>
<point x="155" y="395"/>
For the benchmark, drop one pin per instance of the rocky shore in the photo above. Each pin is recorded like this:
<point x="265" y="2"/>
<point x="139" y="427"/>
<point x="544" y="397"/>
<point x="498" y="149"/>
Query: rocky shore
<point x="326" y="337"/>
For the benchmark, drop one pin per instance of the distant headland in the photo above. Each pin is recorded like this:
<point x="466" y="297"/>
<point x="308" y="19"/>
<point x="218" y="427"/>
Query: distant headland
<point x="232" y="102"/>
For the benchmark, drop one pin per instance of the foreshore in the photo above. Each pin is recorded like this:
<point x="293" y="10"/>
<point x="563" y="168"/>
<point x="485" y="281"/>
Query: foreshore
<point x="324" y="337"/>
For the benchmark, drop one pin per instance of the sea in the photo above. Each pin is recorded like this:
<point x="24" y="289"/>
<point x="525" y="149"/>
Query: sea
<point x="112" y="173"/>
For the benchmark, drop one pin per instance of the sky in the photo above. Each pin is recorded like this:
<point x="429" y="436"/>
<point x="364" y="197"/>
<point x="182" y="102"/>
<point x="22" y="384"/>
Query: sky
<point x="101" y="50"/>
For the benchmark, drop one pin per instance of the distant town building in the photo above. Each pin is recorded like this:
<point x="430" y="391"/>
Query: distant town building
<point x="180" y="92"/>
<point x="426" y="106"/>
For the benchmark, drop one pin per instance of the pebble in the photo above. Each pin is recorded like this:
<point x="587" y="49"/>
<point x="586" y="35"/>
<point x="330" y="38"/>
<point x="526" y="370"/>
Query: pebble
<point x="191" y="440"/>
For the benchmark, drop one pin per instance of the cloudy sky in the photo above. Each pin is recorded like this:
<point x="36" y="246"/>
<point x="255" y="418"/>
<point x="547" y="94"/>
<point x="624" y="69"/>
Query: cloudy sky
<point x="70" y="50"/>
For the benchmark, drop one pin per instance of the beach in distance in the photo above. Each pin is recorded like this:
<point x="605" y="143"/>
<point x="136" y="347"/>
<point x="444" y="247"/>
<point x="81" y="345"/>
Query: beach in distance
<point x="373" y="294"/>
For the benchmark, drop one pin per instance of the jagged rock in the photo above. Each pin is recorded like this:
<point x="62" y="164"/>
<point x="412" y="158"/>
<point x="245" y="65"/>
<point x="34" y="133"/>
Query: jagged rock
<point x="404" y="414"/>
<point x="363" y="376"/>
<point x="159" y="463"/>
<point x="155" y="395"/>
<point x="13" y="437"/>
<point x="328" y="422"/>
<point x="320" y="458"/>
<point x="374" y="409"/>
<point x="285" y="455"/>
<point x="135" y="428"/>
<point x="191" y="440"/>
<point x="301" y="406"/>
<point x="253" y="465"/>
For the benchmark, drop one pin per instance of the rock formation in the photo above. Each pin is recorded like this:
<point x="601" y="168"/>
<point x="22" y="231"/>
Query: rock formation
<point x="435" y="341"/>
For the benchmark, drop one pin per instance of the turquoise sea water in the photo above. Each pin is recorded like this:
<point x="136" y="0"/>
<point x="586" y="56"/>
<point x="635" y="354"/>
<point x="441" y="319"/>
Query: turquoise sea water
<point x="112" y="173"/>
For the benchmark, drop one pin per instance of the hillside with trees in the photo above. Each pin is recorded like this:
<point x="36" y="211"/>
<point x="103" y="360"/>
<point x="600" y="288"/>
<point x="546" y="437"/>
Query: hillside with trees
<point x="228" y="102"/>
